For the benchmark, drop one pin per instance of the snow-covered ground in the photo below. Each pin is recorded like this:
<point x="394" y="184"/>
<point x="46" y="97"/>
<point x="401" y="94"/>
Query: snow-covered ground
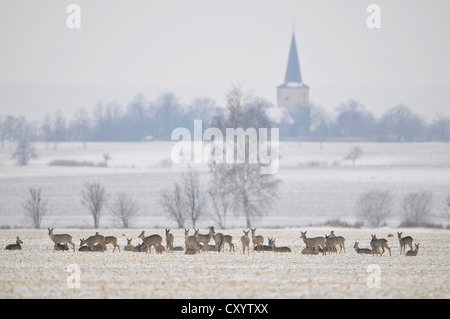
<point x="38" y="272"/>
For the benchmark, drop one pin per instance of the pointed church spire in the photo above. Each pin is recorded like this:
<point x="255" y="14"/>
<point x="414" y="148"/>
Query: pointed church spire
<point x="293" y="67"/>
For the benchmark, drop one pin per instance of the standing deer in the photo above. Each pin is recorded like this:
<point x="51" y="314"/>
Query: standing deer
<point x="245" y="240"/>
<point x="314" y="241"/>
<point x="330" y="244"/>
<point x="169" y="240"/>
<point x="113" y="241"/>
<point x="96" y="239"/>
<point x="257" y="241"/>
<point x="152" y="240"/>
<point x="365" y="251"/>
<point x="278" y="249"/>
<point x="228" y="239"/>
<point x="205" y="239"/>
<point x="219" y="240"/>
<point x="408" y="240"/>
<point x="189" y="241"/>
<point x="340" y="241"/>
<point x="60" y="239"/>
<point x="376" y="243"/>
<point x="413" y="252"/>
<point x="15" y="246"/>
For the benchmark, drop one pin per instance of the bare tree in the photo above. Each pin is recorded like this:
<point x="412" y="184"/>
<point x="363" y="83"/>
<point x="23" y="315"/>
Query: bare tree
<point x="123" y="209"/>
<point x="173" y="203"/>
<point x="94" y="198"/>
<point x="36" y="207"/>
<point x="220" y="195"/>
<point x="416" y="207"/>
<point x="374" y="207"/>
<point x="355" y="153"/>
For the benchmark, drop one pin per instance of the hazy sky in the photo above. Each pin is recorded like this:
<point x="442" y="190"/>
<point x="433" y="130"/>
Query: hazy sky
<point x="200" y="48"/>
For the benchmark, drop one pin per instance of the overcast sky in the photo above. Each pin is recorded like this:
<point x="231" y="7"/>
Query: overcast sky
<point x="200" y="48"/>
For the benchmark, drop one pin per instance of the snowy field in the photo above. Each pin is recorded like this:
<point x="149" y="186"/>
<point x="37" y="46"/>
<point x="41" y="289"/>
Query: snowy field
<point x="37" y="272"/>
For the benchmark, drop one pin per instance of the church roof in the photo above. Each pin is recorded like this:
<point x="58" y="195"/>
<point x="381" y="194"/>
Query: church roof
<point x="293" y="76"/>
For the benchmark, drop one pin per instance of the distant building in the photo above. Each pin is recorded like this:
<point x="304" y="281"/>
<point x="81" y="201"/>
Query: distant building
<point x="293" y="93"/>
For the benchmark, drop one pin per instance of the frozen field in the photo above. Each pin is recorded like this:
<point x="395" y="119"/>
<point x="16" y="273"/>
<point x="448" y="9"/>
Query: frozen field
<point x="37" y="272"/>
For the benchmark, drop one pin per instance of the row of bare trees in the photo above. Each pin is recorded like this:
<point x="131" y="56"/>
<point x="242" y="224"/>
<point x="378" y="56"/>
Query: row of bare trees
<point x="375" y="207"/>
<point x="122" y="208"/>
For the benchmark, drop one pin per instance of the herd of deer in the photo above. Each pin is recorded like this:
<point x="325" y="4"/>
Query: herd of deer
<point x="200" y="242"/>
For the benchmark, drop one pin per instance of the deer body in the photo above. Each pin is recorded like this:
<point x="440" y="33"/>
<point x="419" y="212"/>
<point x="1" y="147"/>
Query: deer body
<point x="15" y="246"/>
<point x="365" y="251"/>
<point x="169" y="240"/>
<point x="257" y="241"/>
<point x="219" y="239"/>
<point x="228" y="239"/>
<point x="377" y="243"/>
<point x="152" y="240"/>
<point x="204" y="239"/>
<point x="129" y="246"/>
<point x="113" y="241"/>
<point x="278" y="249"/>
<point x="408" y="240"/>
<point x="340" y="241"/>
<point x="313" y="242"/>
<point x="60" y="239"/>
<point x="413" y="252"/>
<point x="189" y="241"/>
<point x="245" y="240"/>
<point x="96" y="239"/>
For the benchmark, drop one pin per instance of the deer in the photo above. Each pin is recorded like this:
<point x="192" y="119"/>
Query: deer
<point x="413" y="252"/>
<point x="97" y="247"/>
<point x="245" y="240"/>
<point x="15" y="246"/>
<point x="314" y="241"/>
<point x="228" y="239"/>
<point x="169" y="240"/>
<point x="62" y="247"/>
<point x="278" y="249"/>
<point x="376" y="243"/>
<point x="408" y="240"/>
<point x="219" y="240"/>
<point x="189" y="241"/>
<point x="113" y="241"/>
<point x="152" y="240"/>
<point x="60" y="239"/>
<point x="257" y="240"/>
<point x="178" y="248"/>
<point x="340" y="241"/>
<point x="95" y="239"/>
<point x="129" y="246"/>
<point x="264" y="248"/>
<point x="193" y="250"/>
<point x="364" y="251"/>
<point x="330" y="244"/>
<point x="205" y="239"/>
<point x="310" y="251"/>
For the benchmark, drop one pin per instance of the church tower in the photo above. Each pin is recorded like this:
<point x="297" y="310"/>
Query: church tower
<point x="293" y="94"/>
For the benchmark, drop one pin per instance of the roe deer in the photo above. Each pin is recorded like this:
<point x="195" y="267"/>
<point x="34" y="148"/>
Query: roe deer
<point x="404" y="241"/>
<point x="178" y="248"/>
<point x="219" y="239"/>
<point x="15" y="246"/>
<point x="309" y="251"/>
<point x="169" y="240"/>
<point x="365" y="251"/>
<point x="129" y="246"/>
<point x="264" y="248"/>
<point x="413" y="252"/>
<point x="96" y="239"/>
<point x="228" y="239"/>
<point x="189" y="241"/>
<point x="204" y="239"/>
<point x="97" y="247"/>
<point x="193" y="250"/>
<point x="62" y="247"/>
<point x="257" y="240"/>
<point x="376" y="243"/>
<point x="152" y="240"/>
<point x="245" y="240"/>
<point x="314" y="241"/>
<point x="340" y="241"/>
<point x="60" y="239"/>
<point x="330" y="244"/>
<point x="278" y="249"/>
<point x="113" y="241"/>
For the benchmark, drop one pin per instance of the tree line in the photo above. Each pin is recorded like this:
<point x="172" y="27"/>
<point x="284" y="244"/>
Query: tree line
<point x="141" y="119"/>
